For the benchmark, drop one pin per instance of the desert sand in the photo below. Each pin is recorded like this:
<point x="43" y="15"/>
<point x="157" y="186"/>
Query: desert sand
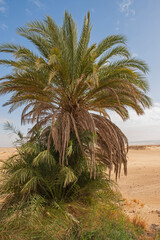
<point x="140" y="188"/>
<point x="6" y="152"/>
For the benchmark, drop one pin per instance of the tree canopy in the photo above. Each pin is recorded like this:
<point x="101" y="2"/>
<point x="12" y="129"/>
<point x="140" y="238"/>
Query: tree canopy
<point x="68" y="87"/>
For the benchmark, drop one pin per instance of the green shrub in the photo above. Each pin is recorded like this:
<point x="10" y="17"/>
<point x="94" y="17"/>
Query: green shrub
<point x="43" y="200"/>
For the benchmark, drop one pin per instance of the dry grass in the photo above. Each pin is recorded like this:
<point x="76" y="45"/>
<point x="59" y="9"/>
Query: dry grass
<point x="128" y="203"/>
<point x="138" y="222"/>
<point x="135" y="201"/>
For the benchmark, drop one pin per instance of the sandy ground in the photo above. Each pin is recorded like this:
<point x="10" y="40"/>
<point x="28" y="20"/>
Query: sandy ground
<point x="141" y="187"/>
<point x="6" y="152"/>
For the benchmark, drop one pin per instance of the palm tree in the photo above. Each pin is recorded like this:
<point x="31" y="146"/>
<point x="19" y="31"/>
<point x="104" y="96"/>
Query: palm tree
<point x="69" y="87"/>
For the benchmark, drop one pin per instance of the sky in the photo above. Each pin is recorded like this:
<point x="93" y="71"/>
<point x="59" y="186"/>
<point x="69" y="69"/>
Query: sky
<point x="138" y="20"/>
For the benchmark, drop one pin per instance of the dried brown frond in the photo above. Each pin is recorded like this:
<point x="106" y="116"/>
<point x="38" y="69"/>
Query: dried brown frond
<point x="108" y="145"/>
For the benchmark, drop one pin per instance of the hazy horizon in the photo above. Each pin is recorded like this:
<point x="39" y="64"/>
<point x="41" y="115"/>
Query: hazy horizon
<point x="137" y="143"/>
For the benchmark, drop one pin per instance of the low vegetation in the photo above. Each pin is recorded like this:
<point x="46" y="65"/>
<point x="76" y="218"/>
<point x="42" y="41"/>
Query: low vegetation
<point x="65" y="208"/>
<point x="43" y="200"/>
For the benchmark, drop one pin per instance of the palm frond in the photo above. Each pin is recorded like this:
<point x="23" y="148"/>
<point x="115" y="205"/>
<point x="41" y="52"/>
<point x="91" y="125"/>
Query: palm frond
<point x="67" y="176"/>
<point x="44" y="157"/>
<point x="109" y="42"/>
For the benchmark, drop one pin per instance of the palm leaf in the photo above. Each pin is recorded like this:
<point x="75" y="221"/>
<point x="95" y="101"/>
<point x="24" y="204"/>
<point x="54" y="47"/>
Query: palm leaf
<point x="44" y="157"/>
<point x="67" y="176"/>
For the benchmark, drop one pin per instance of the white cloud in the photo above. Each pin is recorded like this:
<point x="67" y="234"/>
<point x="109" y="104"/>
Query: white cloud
<point x="3" y="26"/>
<point x="38" y="3"/>
<point x="118" y="22"/>
<point x="28" y="12"/>
<point x="134" y="55"/>
<point x="92" y="10"/>
<point x="12" y="39"/>
<point x="8" y="140"/>
<point x="2" y="2"/>
<point x="126" y="7"/>
<point x="4" y="120"/>
<point x="139" y="128"/>
<point x="2" y="9"/>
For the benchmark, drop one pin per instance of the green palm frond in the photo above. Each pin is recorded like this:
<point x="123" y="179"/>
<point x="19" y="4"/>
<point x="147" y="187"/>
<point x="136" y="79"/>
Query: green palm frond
<point x="67" y="176"/>
<point x="31" y="185"/>
<point x="30" y="148"/>
<point x="44" y="157"/>
<point x="9" y="127"/>
<point x="109" y="42"/>
<point x="37" y="40"/>
<point x="117" y="51"/>
<point x="9" y="47"/>
<point x="21" y="175"/>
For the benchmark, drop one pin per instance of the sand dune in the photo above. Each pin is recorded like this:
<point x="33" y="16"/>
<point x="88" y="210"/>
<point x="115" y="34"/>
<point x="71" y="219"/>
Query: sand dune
<point x="141" y="187"/>
<point x="143" y="180"/>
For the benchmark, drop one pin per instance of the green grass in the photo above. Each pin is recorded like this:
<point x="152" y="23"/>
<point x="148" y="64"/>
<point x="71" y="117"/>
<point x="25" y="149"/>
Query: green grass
<point x="93" y="215"/>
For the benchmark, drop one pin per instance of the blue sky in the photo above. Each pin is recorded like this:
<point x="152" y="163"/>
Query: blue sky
<point x="138" y="20"/>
